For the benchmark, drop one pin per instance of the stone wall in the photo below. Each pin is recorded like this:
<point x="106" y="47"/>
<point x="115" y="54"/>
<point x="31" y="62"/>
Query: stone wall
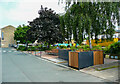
<point x="8" y="34"/>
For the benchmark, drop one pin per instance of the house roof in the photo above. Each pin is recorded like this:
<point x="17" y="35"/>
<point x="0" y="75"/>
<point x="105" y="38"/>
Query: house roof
<point x="8" y="26"/>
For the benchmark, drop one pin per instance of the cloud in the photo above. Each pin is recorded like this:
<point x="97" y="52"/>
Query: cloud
<point x="29" y="0"/>
<point x="25" y="10"/>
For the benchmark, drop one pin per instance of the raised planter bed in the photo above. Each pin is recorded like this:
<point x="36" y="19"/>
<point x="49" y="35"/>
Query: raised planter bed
<point x="80" y="59"/>
<point x="53" y="51"/>
<point x="85" y="59"/>
<point x="63" y="54"/>
<point x="98" y="57"/>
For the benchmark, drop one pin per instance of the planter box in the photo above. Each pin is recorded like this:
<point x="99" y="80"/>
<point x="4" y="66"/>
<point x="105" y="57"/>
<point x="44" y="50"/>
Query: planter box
<point x="98" y="57"/>
<point x="80" y="59"/>
<point x="63" y="54"/>
<point x="80" y="50"/>
<point x="53" y="51"/>
<point x="85" y="59"/>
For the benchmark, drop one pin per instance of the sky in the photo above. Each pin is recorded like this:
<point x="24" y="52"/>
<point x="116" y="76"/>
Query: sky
<point x="18" y="12"/>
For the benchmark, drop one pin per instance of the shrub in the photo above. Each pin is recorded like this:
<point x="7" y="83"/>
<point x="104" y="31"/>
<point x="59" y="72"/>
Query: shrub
<point x="45" y="48"/>
<point x="86" y="47"/>
<point x="62" y="47"/>
<point x="33" y="48"/>
<point x="113" y="48"/>
<point x="79" y="47"/>
<point x="54" y="47"/>
<point x="73" y="48"/>
<point x="97" y="47"/>
<point x="22" y="48"/>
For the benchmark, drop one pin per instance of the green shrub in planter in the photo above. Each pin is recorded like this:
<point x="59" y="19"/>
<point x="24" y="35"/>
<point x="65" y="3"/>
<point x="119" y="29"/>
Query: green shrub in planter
<point x="44" y="48"/>
<point x="98" y="47"/>
<point x="79" y="47"/>
<point x="54" y="47"/>
<point x="62" y="47"/>
<point x="85" y="47"/>
<point x="73" y="48"/>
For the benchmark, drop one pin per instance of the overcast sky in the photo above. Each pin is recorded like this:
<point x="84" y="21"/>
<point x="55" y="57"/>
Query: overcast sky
<point x="18" y="12"/>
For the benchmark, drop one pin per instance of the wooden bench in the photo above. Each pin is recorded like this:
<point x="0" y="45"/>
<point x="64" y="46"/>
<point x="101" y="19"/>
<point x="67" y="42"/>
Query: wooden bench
<point x="53" y="51"/>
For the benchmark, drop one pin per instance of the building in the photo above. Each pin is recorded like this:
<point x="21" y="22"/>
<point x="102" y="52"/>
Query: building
<point x="7" y="36"/>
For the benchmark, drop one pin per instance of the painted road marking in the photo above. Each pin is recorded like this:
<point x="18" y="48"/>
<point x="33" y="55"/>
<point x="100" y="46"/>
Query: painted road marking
<point x="8" y="51"/>
<point x="4" y="51"/>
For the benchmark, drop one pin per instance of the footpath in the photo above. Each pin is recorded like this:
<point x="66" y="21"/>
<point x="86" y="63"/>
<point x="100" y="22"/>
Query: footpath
<point x="110" y="70"/>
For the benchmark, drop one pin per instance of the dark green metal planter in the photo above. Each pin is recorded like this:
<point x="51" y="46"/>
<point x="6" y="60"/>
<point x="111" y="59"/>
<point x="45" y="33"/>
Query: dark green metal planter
<point x="64" y="54"/>
<point x="85" y="59"/>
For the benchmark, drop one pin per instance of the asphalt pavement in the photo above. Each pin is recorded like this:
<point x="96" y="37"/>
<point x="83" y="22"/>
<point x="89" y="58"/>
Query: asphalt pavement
<point x="21" y="67"/>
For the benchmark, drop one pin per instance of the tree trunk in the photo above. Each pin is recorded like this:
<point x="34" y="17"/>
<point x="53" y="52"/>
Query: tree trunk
<point x="90" y="44"/>
<point x="96" y="39"/>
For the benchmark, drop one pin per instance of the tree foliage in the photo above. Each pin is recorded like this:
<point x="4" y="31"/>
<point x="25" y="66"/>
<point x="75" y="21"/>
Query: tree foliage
<point x="21" y="33"/>
<point x="90" y="19"/>
<point x="46" y="27"/>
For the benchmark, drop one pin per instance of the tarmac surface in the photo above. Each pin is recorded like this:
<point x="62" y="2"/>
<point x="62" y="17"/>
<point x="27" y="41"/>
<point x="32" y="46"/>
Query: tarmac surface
<point x="111" y="74"/>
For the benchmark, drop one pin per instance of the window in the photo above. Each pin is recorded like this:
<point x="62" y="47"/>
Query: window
<point x="2" y="35"/>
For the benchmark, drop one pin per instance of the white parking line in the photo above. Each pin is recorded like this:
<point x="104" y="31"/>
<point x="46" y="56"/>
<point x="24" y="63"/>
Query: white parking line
<point x="4" y="51"/>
